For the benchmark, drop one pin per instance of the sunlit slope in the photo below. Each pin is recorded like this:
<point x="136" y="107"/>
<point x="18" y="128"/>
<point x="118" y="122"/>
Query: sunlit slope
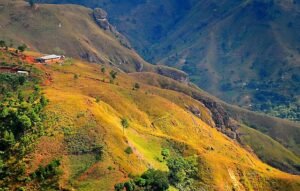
<point x="282" y="131"/>
<point x="244" y="52"/>
<point x="88" y="107"/>
<point x="64" y="29"/>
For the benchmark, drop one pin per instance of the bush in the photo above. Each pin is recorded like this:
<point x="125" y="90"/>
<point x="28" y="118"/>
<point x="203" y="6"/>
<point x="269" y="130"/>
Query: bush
<point x="97" y="99"/>
<point x="156" y="180"/>
<point x="125" y="123"/>
<point x="103" y="70"/>
<point x="113" y="74"/>
<point x="165" y="153"/>
<point x="136" y="86"/>
<point x="119" y="187"/>
<point x="128" y="150"/>
<point x="22" y="48"/>
<point x="76" y="76"/>
<point x="182" y="171"/>
<point x="130" y="186"/>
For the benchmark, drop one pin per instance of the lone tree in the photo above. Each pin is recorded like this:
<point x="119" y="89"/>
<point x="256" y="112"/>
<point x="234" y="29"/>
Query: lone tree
<point x="113" y="74"/>
<point x="103" y="70"/>
<point x="22" y="48"/>
<point x="125" y="124"/>
<point x="136" y="86"/>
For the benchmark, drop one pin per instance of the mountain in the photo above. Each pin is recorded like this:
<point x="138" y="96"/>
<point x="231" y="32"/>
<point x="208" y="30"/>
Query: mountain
<point x="84" y="144"/>
<point x="90" y="125"/>
<point x="72" y="30"/>
<point x="244" y="52"/>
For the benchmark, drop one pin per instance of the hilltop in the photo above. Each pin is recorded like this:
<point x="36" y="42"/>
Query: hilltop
<point x="85" y="110"/>
<point x="71" y="30"/>
<point x="244" y="52"/>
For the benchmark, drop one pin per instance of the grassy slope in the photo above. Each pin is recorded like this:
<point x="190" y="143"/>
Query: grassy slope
<point x="24" y="24"/>
<point x="213" y="41"/>
<point x="283" y="131"/>
<point x="157" y="119"/>
<point x="269" y="150"/>
<point x="78" y="36"/>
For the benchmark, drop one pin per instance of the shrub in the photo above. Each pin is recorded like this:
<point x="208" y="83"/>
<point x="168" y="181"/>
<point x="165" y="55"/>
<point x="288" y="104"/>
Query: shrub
<point x="156" y="180"/>
<point x="182" y="171"/>
<point x="130" y="186"/>
<point x="97" y="99"/>
<point x="119" y="187"/>
<point x="125" y="123"/>
<point x="103" y="70"/>
<point x="22" y="47"/>
<point x="165" y="153"/>
<point x="128" y="150"/>
<point x="113" y="74"/>
<point x="136" y="86"/>
<point x="2" y="43"/>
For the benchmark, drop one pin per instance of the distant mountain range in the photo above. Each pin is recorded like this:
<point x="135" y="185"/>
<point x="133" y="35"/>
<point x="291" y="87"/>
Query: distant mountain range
<point x="246" y="52"/>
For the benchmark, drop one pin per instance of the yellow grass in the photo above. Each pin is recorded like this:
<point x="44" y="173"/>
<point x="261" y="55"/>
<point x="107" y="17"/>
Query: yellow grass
<point x="156" y="117"/>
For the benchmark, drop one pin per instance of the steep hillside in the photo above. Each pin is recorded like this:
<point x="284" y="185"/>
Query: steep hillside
<point x="283" y="131"/>
<point x="71" y="30"/>
<point x="84" y="116"/>
<point x="244" y="52"/>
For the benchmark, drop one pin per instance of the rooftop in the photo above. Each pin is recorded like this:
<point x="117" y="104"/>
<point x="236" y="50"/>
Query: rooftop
<point x="52" y="56"/>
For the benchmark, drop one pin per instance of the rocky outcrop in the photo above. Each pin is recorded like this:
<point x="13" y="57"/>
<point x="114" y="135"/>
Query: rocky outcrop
<point x="173" y="73"/>
<point x="101" y="19"/>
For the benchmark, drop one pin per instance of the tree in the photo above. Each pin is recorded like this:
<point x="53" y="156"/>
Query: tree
<point x="113" y="74"/>
<point x="76" y="76"/>
<point x="2" y="43"/>
<point x="22" y="47"/>
<point x="124" y="123"/>
<point x="130" y="186"/>
<point x="165" y="153"/>
<point x="119" y="187"/>
<point x="156" y="180"/>
<point x="128" y="150"/>
<point x="182" y="172"/>
<point x="136" y="86"/>
<point x="103" y="70"/>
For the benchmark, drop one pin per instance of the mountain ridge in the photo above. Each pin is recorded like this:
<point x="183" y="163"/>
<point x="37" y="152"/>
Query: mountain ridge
<point x="240" y="51"/>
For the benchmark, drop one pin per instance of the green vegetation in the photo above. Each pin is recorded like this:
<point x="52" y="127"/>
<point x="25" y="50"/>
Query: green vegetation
<point x="151" y="180"/>
<point x="128" y="150"/>
<point x="124" y="123"/>
<point x="98" y="99"/>
<point x="47" y="177"/>
<point x="22" y="48"/>
<point x="136" y="86"/>
<point x="182" y="174"/>
<point x="2" y="44"/>
<point x="103" y="70"/>
<point x="113" y="74"/>
<point x="21" y="106"/>
<point x="165" y="153"/>
<point x="76" y="76"/>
